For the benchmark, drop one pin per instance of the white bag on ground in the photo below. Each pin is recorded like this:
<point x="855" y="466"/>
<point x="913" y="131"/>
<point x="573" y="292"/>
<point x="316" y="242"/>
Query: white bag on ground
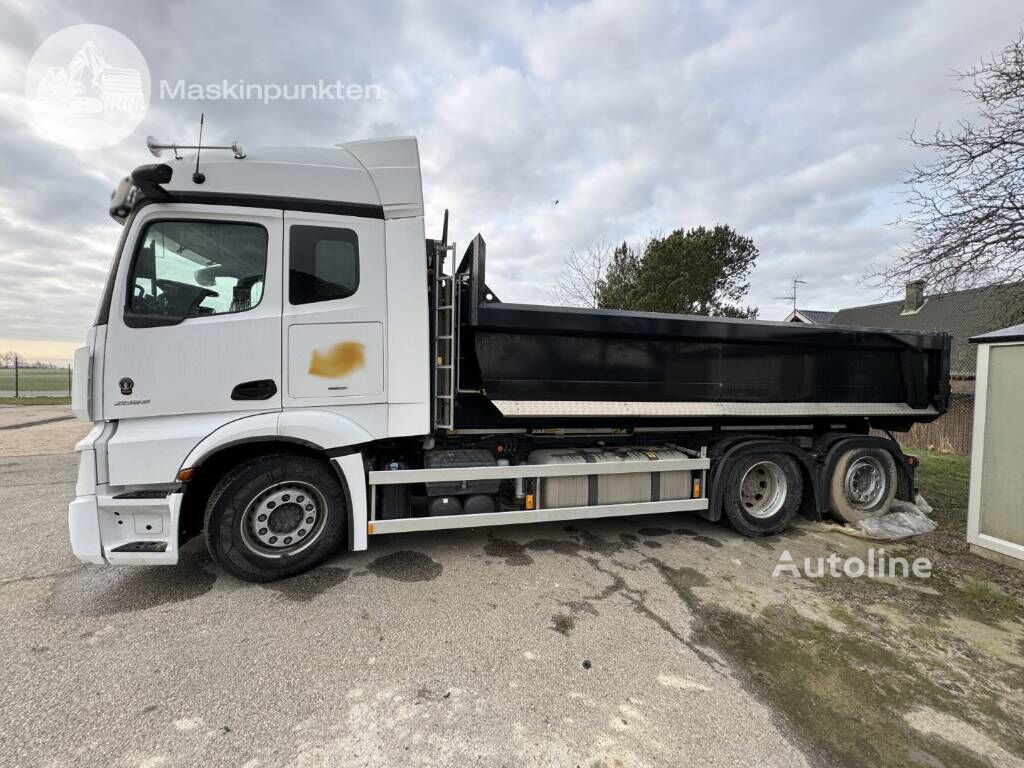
<point x="903" y="519"/>
<point x="923" y="505"/>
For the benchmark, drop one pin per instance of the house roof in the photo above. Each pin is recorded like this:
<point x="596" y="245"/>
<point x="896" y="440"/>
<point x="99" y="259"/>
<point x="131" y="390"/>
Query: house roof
<point x="1013" y="333"/>
<point x="961" y="314"/>
<point x="814" y="316"/>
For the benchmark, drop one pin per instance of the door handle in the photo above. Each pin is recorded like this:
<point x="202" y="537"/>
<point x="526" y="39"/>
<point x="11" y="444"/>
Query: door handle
<point x="264" y="389"/>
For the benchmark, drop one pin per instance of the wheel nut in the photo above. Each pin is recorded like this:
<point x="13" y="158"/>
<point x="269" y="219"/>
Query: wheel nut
<point x="288" y="540"/>
<point x="302" y="532"/>
<point x="286" y="497"/>
<point x="309" y="507"/>
<point x="262" y="518"/>
<point x="309" y="520"/>
<point x="300" y="499"/>
<point x="271" y="505"/>
<point x="262" y="531"/>
<point x="273" y="539"/>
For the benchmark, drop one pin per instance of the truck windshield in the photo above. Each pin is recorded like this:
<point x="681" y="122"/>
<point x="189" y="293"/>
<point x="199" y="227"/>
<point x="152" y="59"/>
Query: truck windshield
<point x="196" y="268"/>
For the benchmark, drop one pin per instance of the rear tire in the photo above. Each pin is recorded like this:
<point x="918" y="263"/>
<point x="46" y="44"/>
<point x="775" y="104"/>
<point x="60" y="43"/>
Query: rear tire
<point x="762" y="493"/>
<point x="275" y="516"/>
<point x="863" y="484"/>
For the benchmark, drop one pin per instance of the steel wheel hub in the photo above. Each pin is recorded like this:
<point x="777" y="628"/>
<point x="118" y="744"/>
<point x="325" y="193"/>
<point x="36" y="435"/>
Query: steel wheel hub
<point x="864" y="483"/>
<point x="763" y="489"/>
<point x="284" y="519"/>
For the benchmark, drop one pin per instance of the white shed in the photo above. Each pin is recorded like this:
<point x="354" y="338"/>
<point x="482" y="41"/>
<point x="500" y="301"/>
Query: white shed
<point x="995" y="509"/>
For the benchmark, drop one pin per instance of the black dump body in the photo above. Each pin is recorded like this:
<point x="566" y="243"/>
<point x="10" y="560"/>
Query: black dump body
<point x="566" y="366"/>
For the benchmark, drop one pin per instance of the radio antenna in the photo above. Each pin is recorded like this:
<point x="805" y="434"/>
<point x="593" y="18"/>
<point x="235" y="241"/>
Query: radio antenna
<point x="444" y="230"/>
<point x="791" y="296"/>
<point x="198" y="177"/>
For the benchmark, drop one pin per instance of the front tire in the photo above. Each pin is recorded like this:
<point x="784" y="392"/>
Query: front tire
<point x="762" y="493"/>
<point x="275" y="516"/>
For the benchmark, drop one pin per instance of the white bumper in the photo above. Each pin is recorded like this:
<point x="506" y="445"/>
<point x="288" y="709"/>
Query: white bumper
<point x="120" y="526"/>
<point x="84" y="527"/>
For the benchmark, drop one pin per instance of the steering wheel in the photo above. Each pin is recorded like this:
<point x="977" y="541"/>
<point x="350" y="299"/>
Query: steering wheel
<point x="181" y="298"/>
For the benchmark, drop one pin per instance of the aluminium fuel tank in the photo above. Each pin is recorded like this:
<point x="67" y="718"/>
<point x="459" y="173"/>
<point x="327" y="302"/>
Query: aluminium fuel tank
<point x="629" y="488"/>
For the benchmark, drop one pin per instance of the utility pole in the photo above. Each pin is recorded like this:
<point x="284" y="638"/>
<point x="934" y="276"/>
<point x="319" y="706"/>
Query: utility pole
<point x="16" y="376"/>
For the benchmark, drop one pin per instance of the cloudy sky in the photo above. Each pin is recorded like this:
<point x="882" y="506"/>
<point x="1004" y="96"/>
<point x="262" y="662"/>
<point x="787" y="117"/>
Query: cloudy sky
<point x="786" y="120"/>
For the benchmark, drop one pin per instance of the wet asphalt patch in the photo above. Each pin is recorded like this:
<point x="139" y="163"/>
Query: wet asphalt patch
<point x="103" y="591"/>
<point x="406" y="565"/>
<point x="306" y="586"/>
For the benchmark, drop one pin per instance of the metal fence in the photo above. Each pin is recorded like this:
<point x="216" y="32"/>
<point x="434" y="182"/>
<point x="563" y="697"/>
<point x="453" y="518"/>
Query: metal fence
<point x="22" y="378"/>
<point x="950" y="433"/>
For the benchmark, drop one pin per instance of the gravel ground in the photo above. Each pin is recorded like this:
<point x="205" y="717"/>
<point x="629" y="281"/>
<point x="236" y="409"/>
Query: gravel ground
<point x="27" y="430"/>
<point x="534" y="646"/>
<point x="654" y="641"/>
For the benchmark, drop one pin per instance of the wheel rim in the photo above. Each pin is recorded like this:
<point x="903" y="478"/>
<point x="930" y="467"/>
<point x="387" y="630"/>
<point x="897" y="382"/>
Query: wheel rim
<point x="763" y="489"/>
<point x="865" y="482"/>
<point x="284" y="519"/>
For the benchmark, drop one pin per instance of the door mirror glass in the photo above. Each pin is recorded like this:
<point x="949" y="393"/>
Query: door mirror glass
<point x="186" y="269"/>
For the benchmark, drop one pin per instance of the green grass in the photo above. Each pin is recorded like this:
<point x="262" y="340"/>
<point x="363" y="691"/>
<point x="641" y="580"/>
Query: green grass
<point x="35" y="379"/>
<point x="845" y="693"/>
<point x="987" y="600"/>
<point x="942" y="479"/>
<point x="42" y="400"/>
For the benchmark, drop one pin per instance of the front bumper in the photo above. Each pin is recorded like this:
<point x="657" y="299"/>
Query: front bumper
<point x="121" y="525"/>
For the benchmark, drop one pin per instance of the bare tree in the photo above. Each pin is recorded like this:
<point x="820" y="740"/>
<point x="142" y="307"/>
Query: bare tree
<point x="967" y="204"/>
<point x="580" y="281"/>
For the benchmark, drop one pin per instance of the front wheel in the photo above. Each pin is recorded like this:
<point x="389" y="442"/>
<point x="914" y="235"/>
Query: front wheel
<point x="275" y="516"/>
<point x="762" y="493"/>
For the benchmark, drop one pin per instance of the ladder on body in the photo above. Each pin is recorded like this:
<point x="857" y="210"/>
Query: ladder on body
<point x="445" y="342"/>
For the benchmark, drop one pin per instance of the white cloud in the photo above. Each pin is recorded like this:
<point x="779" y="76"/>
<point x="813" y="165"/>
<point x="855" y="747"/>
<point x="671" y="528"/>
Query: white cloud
<point x="785" y="120"/>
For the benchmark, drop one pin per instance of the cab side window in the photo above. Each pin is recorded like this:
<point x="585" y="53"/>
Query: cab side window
<point x="196" y="268"/>
<point x="323" y="264"/>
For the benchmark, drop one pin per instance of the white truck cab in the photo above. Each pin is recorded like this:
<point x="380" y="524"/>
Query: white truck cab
<point x="248" y="310"/>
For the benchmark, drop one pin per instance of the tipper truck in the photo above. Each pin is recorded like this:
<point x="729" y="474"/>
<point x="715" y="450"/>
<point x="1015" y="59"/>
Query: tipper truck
<point x="283" y="363"/>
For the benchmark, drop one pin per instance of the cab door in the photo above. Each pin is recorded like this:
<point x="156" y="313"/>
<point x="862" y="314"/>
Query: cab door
<point x="335" y="308"/>
<point x="195" y="319"/>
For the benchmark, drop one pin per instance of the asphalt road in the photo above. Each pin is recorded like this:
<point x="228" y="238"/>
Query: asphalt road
<point x="543" y="645"/>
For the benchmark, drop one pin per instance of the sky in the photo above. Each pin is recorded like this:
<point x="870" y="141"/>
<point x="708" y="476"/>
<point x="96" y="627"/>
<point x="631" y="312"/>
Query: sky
<point x="786" y="120"/>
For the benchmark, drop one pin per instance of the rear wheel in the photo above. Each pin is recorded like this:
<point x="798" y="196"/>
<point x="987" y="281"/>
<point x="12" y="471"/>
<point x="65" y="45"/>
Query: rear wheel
<point x="863" y="484"/>
<point x="762" y="493"/>
<point x="275" y="516"/>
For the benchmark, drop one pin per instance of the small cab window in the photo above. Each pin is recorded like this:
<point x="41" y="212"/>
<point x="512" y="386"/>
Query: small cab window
<point x="323" y="264"/>
<point x="194" y="269"/>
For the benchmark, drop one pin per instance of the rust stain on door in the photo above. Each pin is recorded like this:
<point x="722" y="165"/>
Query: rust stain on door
<point x="340" y="360"/>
